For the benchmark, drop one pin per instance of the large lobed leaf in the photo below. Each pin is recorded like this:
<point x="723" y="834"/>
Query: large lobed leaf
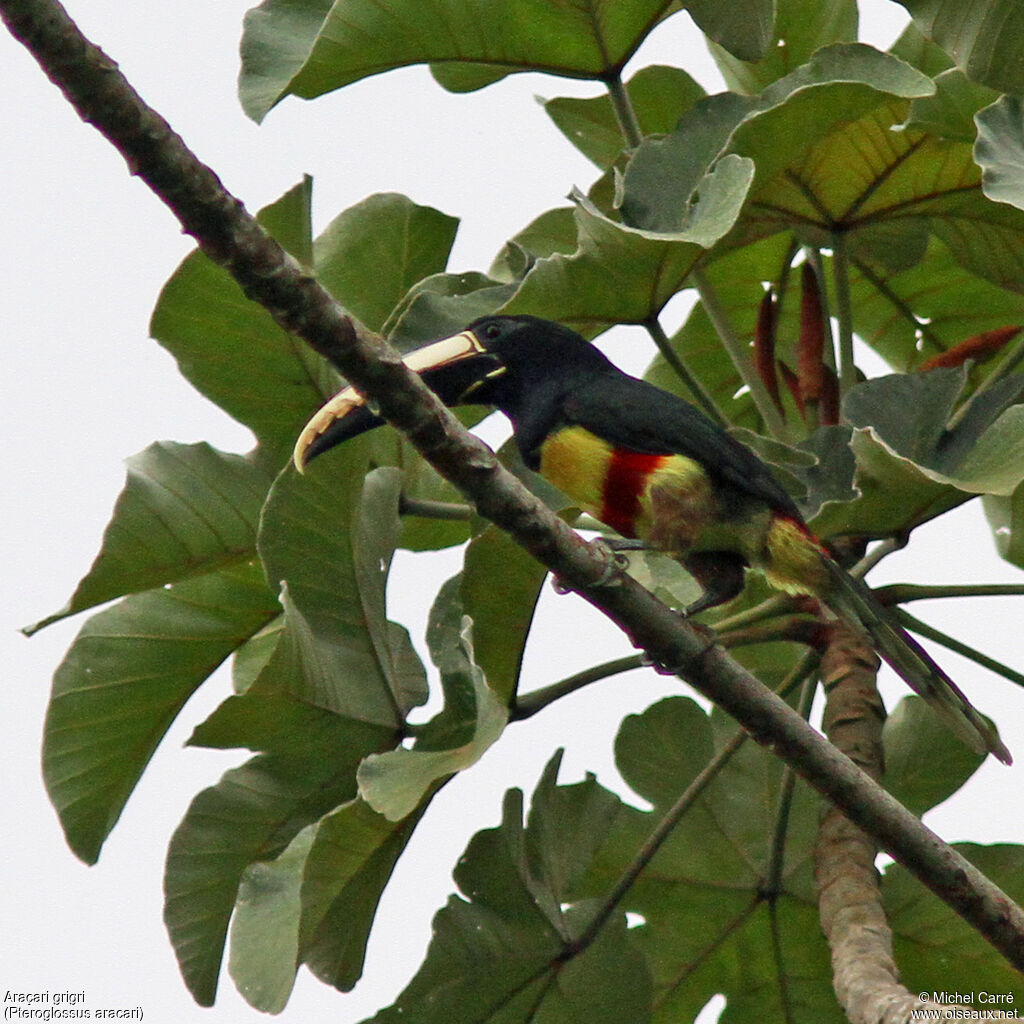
<point x="497" y="952"/>
<point x="309" y="47"/>
<point x="621" y="274"/>
<point x="250" y="816"/>
<point x="984" y="37"/>
<point x="503" y="950"/>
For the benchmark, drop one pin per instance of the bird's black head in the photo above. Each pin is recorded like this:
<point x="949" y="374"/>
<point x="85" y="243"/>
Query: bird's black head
<point x="506" y="361"/>
<point x="530" y="355"/>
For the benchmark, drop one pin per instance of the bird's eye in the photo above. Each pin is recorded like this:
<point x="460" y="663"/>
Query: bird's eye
<point x="492" y="331"/>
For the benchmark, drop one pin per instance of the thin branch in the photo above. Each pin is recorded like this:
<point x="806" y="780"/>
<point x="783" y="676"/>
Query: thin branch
<point x="801" y="629"/>
<point x="881" y="550"/>
<point x="232" y="238"/>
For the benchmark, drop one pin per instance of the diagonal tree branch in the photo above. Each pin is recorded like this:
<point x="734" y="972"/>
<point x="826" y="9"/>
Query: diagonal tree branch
<point x="228" y="235"/>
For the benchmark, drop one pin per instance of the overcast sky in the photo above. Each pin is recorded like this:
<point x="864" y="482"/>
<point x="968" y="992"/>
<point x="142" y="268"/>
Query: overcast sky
<point x="86" y="250"/>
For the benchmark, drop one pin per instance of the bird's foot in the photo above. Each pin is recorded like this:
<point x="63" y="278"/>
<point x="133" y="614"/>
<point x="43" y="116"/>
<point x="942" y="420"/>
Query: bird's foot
<point x="614" y="563"/>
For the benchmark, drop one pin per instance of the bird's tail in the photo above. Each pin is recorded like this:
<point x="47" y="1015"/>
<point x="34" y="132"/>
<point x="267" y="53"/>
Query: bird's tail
<point x="854" y="601"/>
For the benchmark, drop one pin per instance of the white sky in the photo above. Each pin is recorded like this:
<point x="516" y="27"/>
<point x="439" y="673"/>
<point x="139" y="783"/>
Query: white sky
<point x="86" y="251"/>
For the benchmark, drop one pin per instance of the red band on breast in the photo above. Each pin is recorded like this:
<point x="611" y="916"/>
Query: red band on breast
<point x="624" y="485"/>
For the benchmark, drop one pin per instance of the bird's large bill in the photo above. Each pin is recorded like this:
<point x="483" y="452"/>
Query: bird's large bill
<point x="434" y="356"/>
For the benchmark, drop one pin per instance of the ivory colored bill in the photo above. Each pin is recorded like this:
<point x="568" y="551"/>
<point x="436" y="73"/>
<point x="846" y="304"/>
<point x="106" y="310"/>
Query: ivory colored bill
<point x="430" y="357"/>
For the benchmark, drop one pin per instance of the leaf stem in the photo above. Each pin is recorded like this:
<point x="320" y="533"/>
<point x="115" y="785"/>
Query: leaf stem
<point x="625" y="114"/>
<point x="737" y="352"/>
<point x="676" y="812"/>
<point x="1010" y="361"/>
<point x="900" y="593"/>
<point x="772" y="884"/>
<point x="425" y="509"/>
<point x="766" y="609"/>
<point x="915" y="625"/>
<point x="529" y="704"/>
<point x="700" y="394"/>
<point x="844" y="313"/>
<point x="877" y="553"/>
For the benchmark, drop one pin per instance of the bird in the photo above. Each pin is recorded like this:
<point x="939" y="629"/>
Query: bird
<point x="659" y="472"/>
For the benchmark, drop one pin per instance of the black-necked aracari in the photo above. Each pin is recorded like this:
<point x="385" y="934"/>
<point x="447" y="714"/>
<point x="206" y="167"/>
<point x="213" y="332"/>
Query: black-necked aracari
<point x="655" y="469"/>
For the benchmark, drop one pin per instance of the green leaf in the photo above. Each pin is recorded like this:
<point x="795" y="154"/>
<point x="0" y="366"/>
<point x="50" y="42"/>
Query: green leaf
<point x="984" y="37"/>
<point x="846" y="80"/>
<point x="234" y="353"/>
<point x="314" y="904"/>
<point x="306" y="48"/>
<point x="626" y="275"/>
<point x="921" y="53"/>
<point x="707" y="926"/>
<point x="350" y="862"/>
<point x="443" y="304"/>
<point x="265" y="927"/>
<point x="550" y="232"/>
<point x="497" y="953"/>
<point x="396" y="782"/>
<point x="743" y="29"/>
<point x="828" y="160"/>
<point x="1000" y="151"/>
<point x="914" y="313"/>
<point x="893" y="494"/>
<point x="831" y="477"/>
<point x="984" y="454"/>
<point x="128" y="673"/>
<point x="500" y="586"/>
<point x="329" y="536"/>
<point x="659" y="95"/>
<point x="251" y="658"/>
<point x="230" y="348"/>
<point x="935" y="948"/>
<point x="918" y="779"/>
<point x="950" y="112"/>
<point x="370" y="255"/>
<point x="1005" y="514"/>
<point x="736" y="279"/>
<point x="800" y="30"/>
<point x="185" y="510"/>
<point x="251" y="815"/>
